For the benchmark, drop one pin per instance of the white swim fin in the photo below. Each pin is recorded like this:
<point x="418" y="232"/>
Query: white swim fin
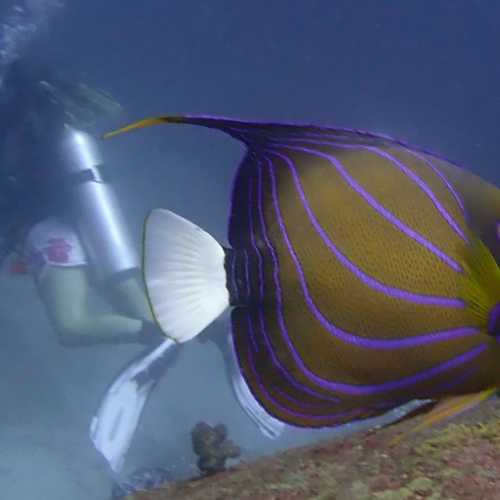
<point x="117" y="418"/>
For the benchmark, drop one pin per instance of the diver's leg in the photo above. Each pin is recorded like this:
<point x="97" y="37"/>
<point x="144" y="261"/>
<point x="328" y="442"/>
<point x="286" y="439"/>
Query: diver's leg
<point x="64" y="291"/>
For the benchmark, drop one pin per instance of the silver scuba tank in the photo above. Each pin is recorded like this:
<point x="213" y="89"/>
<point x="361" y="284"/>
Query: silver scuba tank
<point x="99" y="220"/>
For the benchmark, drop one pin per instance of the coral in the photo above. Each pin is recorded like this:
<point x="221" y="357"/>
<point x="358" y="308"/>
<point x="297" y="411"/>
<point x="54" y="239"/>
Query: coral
<point x="213" y="447"/>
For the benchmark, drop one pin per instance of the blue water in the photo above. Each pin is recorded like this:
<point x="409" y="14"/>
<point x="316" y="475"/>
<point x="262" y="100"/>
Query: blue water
<point x="425" y="72"/>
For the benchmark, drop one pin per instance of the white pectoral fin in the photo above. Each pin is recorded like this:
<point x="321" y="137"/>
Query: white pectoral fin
<point x="184" y="275"/>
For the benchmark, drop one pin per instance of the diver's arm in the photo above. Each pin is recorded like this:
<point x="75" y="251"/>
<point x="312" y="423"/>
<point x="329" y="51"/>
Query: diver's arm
<point x="64" y="291"/>
<point x="129" y="297"/>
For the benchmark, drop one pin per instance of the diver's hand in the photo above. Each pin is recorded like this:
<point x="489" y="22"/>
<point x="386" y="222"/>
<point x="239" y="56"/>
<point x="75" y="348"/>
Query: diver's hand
<point x="150" y="334"/>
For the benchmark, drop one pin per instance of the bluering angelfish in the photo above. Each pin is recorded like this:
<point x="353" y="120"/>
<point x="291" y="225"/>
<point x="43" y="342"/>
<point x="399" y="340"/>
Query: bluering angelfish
<point x="360" y="272"/>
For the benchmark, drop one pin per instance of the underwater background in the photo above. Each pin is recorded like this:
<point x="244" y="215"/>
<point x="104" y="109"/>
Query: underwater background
<point x="425" y="72"/>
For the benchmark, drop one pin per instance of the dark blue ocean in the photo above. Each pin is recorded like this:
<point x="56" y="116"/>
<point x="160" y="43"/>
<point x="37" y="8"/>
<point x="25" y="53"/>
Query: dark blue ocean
<point x="425" y="72"/>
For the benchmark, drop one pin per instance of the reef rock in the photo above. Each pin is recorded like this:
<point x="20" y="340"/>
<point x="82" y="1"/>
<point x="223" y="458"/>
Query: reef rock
<point x="456" y="460"/>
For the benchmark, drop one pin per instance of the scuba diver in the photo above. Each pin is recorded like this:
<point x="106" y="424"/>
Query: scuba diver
<point x="59" y="212"/>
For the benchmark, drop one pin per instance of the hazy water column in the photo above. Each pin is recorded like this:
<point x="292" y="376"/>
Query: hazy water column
<point x="21" y="22"/>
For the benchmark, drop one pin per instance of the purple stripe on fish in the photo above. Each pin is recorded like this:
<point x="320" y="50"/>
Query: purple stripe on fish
<point x="264" y="391"/>
<point x="390" y="217"/>
<point x="234" y="283"/>
<point x="361" y="389"/>
<point x="277" y="285"/>
<point x="248" y="135"/>
<point x="424" y="187"/>
<point x="296" y="402"/>
<point x="403" y="168"/>
<point x="393" y="292"/>
<point x="249" y="130"/>
<point x="386" y="139"/>
<point x="254" y="245"/>
<point x="494" y="320"/>
<point x="436" y="392"/>
<point x="253" y="340"/>
<point x="247" y="275"/>
<point x="440" y="174"/>
<point x="232" y="212"/>
<point x="386" y="344"/>
<point x="282" y="369"/>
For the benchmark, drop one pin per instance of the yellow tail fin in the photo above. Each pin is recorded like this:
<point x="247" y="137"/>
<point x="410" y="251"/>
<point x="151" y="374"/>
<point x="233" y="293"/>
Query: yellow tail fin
<point x="482" y="281"/>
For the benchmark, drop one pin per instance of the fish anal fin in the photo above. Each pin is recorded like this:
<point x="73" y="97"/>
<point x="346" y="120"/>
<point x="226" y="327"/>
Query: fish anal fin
<point x="426" y="407"/>
<point x="447" y="408"/>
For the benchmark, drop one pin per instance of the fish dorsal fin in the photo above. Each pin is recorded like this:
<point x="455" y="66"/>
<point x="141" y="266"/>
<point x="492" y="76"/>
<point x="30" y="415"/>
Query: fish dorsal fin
<point x="253" y="132"/>
<point x="482" y="284"/>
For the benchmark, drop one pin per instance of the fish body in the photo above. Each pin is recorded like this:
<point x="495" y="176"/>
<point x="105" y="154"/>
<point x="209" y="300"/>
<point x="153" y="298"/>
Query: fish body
<point x="361" y="272"/>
